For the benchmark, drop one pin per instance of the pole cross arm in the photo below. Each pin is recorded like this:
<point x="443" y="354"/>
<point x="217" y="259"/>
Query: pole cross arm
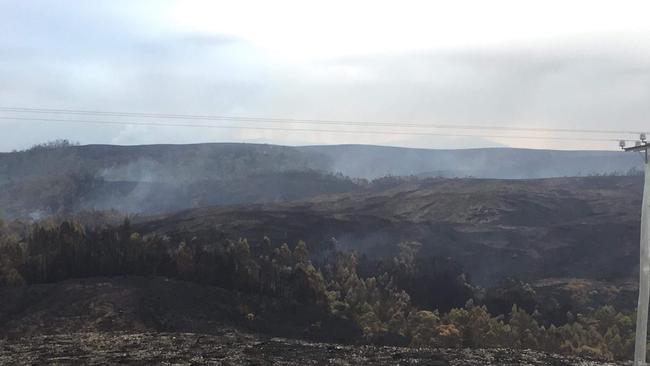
<point x="643" y="147"/>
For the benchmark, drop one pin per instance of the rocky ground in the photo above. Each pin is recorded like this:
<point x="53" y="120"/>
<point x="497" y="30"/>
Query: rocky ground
<point x="231" y="347"/>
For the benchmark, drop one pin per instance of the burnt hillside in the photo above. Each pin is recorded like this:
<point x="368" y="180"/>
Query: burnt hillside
<point x="532" y="229"/>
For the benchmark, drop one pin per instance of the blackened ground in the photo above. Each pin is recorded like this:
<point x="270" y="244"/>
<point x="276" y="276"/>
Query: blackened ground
<point x="141" y="304"/>
<point x="529" y="229"/>
<point x="138" y="320"/>
<point x="230" y="347"/>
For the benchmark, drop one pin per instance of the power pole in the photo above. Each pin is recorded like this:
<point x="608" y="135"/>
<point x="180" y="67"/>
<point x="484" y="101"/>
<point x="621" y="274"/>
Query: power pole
<point x="640" y="342"/>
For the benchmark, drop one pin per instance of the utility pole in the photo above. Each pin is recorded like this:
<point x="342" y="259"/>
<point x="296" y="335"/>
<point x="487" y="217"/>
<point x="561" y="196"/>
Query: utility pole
<point x="640" y="342"/>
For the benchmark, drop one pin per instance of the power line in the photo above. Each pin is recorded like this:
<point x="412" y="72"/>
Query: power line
<point x="310" y="121"/>
<point x="158" y="124"/>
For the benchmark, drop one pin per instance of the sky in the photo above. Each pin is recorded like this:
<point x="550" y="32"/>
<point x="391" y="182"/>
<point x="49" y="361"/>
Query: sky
<point x="541" y="64"/>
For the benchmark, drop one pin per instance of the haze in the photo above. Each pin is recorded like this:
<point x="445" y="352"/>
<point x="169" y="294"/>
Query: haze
<point x="583" y="64"/>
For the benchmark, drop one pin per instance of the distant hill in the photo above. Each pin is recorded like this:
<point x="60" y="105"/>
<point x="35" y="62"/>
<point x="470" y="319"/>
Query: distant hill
<point x="164" y="178"/>
<point x="157" y="163"/>
<point x="370" y="162"/>
<point x="157" y="178"/>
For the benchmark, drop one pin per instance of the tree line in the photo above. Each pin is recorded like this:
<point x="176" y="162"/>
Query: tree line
<point x="405" y="300"/>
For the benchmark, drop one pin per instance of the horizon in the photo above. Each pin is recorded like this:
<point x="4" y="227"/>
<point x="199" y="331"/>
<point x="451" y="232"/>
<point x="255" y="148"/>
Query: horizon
<point x="78" y="144"/>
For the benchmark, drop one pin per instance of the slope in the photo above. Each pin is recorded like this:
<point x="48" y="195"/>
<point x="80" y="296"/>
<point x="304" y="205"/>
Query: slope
<point x="532" y="229"/>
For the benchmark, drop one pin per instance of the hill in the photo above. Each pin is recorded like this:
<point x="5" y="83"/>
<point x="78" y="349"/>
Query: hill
<point x="412" y="297"/>
<point x="531" y="229"/>
<point x="65" y="179"/>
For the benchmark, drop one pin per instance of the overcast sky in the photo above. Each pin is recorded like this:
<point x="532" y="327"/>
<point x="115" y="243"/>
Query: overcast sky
<point x="554" y="64"/>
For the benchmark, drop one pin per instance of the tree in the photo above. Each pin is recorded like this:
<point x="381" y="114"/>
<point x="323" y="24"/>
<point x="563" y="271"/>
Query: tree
<point x="424" y="326"/>
<point x="300" y="253"/>
<point x="185" y="261"/>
